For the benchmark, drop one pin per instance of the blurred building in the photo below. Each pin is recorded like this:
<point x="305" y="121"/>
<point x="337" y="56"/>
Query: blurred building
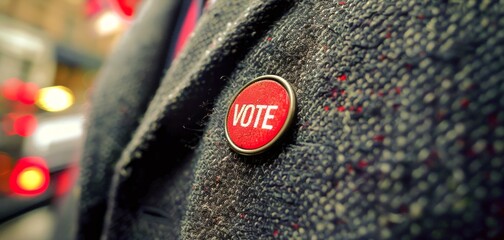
<point x="50" y="53"/>
<point x="82" y="32"/>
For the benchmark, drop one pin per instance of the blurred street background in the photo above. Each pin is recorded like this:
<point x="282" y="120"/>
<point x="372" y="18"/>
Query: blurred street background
<point x="50" y="53"/>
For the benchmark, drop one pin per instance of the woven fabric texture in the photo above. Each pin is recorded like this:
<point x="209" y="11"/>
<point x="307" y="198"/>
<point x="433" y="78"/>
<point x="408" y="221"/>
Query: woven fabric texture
<point x="398" y="133"/>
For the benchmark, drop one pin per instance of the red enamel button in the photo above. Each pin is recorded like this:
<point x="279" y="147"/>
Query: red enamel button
<point x="259" y="114"/>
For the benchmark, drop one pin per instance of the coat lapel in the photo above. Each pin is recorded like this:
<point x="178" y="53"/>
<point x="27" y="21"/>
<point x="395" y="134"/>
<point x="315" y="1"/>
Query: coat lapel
<point x="199" y="75"/>
<point x="195" y="78"/>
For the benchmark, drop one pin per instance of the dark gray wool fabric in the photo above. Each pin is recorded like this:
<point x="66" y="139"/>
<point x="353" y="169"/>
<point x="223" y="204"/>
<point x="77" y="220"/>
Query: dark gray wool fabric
<point x="399" y="131"/>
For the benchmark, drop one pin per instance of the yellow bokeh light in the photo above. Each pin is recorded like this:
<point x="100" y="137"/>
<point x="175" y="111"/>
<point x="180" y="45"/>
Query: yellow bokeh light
<point x="31" y="178"/>
<point x="55" y="99"/>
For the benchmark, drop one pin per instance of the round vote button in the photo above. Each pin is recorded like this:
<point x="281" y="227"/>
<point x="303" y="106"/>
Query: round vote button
<point x="259" y="114"/>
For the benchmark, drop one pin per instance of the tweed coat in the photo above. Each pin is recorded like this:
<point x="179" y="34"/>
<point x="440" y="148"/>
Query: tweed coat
<point x="398" y="132"/>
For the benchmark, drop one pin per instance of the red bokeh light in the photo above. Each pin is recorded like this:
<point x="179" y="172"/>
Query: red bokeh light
<point x="93" y="7"/>
<point x="20" y="124"/>
<point x="187" y="27"/>
<point x="28" y="93"/>
<point x="16" y="90"/>
<point x="25" y="125"/>
<point x="17" y="185"/>
<point x="125" y="8"/>
<point x="66" y="180"/>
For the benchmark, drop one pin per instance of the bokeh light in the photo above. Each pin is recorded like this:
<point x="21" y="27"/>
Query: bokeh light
<point x="25" y="125"/>
<point x="125" y="8"/>
<point x="21" y="124"/>
<point x="108" y="23"/>
<point x="16" y="90"/>
<point x="28" y="93"/>
<point x="55" y="99"/>
<point x="30" y="177"/>
<point x="66" y="180"/>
